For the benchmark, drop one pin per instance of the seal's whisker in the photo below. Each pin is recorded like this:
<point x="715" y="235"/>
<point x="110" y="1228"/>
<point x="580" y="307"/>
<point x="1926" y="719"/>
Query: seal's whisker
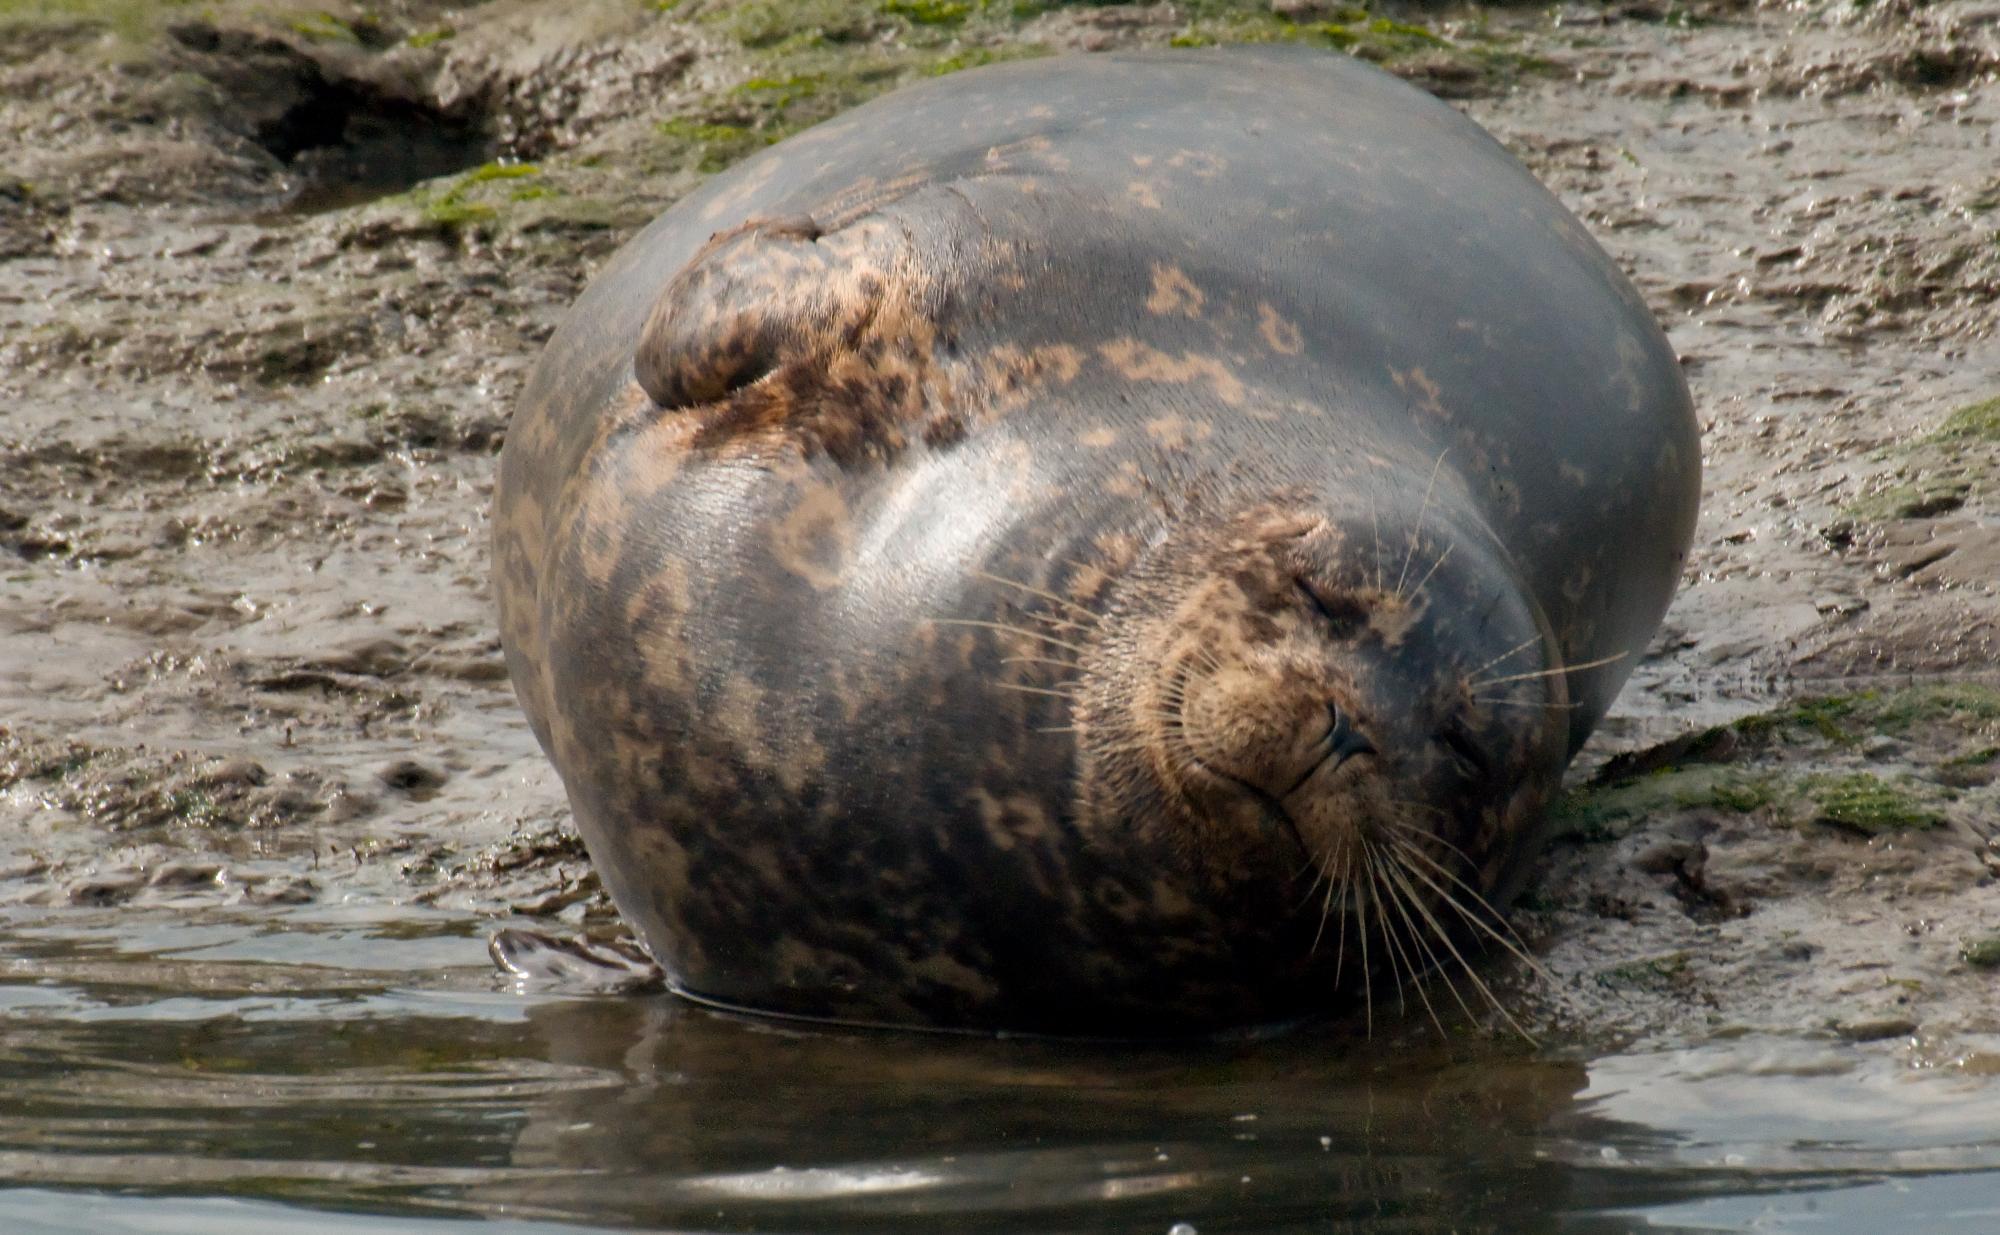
<point x="1082" y="613"/>
<point x="1340" y="943"/>
<point x="1418" y="835"/>
<point x="1439" y="561"/>
<point x="1546" y="673"/>
<point x="1325" y="871"/>
<point x="1408" y="901"/>
<point x="1405" y="872"/>
<point x="1022" y="631"/>
<point x="1057" y="623"/>
<point x="1391" y="948"/>
<point x="1489" y="922"/>
<point x="1525" y="703"/>
<point x="1361" y="937"/>
<point x="1413" y="804"/>
<point x="1037" y="660"/>
<point x="1320" y="876"/>
<point x="1509" y="654"/>
<point x="1037" y="690"/>
<point x="1416" y="532"/>
<point x="1426" y="930"/>
<point x="1375" y="524"/>
<point x="1445" y="897"/>
<point x="1399" y="949"/>
<point x="1325" y="912"/>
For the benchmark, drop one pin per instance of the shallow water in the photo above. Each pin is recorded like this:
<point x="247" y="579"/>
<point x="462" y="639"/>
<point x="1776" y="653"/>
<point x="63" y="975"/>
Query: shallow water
<point x="357" y="1069"/>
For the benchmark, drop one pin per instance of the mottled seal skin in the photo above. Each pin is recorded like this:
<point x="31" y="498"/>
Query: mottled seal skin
<point x="1117" y="545"/>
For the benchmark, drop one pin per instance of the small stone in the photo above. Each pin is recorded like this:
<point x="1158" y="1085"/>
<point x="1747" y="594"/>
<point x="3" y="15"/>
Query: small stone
<point x="109" y="888"/>
<point x="1840" y="606"/>
<point x="1874" y="1029"/>
<point x="1903" y="565"/>
<point x="375" y="658"/>
<point x="241" y="770"/>
<point x="419" y="780"/>
<point x="288" y="890"/>
<point x="186" y="875"/>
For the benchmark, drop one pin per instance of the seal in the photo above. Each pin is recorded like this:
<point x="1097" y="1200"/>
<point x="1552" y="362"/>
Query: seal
<point x="1117" y="545"/>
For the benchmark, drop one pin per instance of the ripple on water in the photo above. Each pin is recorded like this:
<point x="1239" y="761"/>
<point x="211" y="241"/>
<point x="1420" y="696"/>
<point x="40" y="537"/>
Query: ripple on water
<point x="363" y="1069"/>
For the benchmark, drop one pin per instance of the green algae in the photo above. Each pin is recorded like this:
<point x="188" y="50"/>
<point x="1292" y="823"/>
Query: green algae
<point x="927" y="12"/>
<point x="1603" y="812"/>
<point x="1982" y="953"/>
<point x="1977" y="422"/>
<point x="1870" y="804"/>
<point x="475" y="198"/>
<point x="1786" y="765"/>
<point x="1953" y="466"/>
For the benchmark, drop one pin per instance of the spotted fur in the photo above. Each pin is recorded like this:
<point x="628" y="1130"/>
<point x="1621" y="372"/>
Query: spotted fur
<point x="1120" y="546"/>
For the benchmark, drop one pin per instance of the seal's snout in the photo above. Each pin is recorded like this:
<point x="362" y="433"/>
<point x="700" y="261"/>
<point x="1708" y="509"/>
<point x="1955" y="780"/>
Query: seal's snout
<point x="1263" y="717"/>
<point x="1316" y="710"/>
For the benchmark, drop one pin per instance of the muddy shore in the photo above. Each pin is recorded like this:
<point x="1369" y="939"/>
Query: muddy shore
<point x="271" y="277"/>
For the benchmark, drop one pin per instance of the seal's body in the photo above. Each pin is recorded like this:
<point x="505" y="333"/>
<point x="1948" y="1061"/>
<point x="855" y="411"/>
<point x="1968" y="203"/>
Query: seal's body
<point x="1121" y="545"/>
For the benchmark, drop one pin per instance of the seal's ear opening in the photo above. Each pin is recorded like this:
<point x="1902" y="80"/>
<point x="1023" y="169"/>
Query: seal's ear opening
<point x="731" y="316"/>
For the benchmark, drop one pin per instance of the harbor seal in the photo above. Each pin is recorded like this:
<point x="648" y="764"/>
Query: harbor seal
<point x="1112" y="545"/>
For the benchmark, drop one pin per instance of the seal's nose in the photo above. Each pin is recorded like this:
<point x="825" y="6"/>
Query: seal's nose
<point x="1343" y="739"/>
<point x="1340" y="742"/>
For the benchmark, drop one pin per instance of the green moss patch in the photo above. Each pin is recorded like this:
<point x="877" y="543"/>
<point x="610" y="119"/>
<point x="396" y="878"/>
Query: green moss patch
<point x="1979" y="422"/>
<point x="1873" y="805"/>
<point x="802" y="83"/>
<point x="1952" y="467"/>
<point x="1601" y="812"/>
<point x="1843" y="720"/>
<point x="927" y="12"/>
<point x="325" y="28"/>
<point x="1982" y="953"/>
<point x="127" y="19"/>
<point x="477" y="197"/>
<point x="812" y="59"/>
<point x="760" y="24"/>
<point x="1476" y="55"/>
<point x="1795" y="765"/>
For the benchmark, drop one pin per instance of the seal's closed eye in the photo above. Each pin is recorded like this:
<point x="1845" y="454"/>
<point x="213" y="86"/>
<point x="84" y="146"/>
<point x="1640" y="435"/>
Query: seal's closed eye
<point x="1345" y="616"/>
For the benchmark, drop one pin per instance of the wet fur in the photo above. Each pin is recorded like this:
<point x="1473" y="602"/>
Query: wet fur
<point x="938" y="574"/>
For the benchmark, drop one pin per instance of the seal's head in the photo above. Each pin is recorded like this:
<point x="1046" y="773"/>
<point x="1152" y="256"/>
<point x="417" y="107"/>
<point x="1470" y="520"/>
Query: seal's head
<point x="1359" y="717"/>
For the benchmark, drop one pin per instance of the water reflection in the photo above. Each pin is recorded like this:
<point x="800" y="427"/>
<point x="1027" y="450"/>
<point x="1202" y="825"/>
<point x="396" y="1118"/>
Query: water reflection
<point x="743" y="1126"/>
<point x="358" y="1071"/>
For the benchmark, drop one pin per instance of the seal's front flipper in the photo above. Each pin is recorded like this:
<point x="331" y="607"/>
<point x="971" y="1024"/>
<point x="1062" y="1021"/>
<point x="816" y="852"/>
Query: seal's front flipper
<point x="751" y="297"/>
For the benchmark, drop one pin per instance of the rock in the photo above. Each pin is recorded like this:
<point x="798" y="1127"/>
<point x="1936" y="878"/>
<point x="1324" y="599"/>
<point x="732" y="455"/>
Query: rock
<point x="1874" y="1029"/>
<point x="408" y="776"/>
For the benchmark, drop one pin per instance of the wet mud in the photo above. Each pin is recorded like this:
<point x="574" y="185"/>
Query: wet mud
<point x="271" y="278"/>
